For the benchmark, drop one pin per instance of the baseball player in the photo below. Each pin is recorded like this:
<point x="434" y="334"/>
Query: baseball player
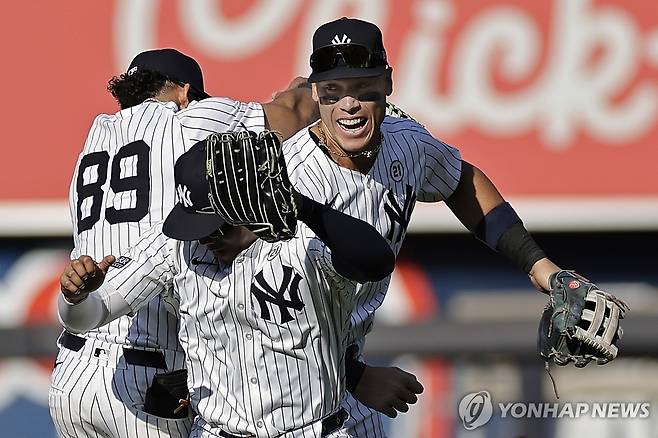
<point x="376" y="168"/>
<point x="264" y="336"/>
<point x="123" y="183"/>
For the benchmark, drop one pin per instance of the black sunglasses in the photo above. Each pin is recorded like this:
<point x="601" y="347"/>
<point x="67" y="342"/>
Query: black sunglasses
<point x="348" y="55"/>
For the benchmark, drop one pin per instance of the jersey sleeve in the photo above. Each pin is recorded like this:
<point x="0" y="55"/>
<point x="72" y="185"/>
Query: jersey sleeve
<point x="219" y="114"/>
<point x="144" y="270"/>
<point x="443" y="166"/>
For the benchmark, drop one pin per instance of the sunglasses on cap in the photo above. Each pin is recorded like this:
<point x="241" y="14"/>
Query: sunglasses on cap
<point x="346" y="55"/>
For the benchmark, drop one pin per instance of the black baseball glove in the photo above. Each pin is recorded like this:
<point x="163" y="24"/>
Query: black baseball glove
<point x="580" y="322"/>
<point x="249" y="183"/>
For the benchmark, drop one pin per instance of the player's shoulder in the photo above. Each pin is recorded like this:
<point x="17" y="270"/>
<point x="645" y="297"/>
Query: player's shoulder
<point x="396" y="126"/>
<point x="153" y="239"/>
<point x="218" y="104"/>
<point x="104" y="119"/>
<point x="402" y="131"/>
<point x="136" y="110"/>
<point x="299" y="142"/>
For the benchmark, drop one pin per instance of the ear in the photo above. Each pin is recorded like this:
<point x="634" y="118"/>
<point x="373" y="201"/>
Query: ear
<point x="389" y="81"/>
<point x="314" y="92"/>
<point x="183" y="99"/>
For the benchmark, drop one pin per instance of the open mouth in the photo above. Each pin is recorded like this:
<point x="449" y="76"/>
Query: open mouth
<point x="352" y="125"/>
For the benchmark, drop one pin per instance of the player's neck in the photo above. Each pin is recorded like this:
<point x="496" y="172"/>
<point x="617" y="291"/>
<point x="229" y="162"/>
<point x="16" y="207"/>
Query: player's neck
<point x="359" y="163"/>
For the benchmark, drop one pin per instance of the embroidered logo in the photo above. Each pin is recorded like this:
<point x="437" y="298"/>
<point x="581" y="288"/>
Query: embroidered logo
<point x="121" y="262"/>
<point x="267" y="294"/>
<point x="344" y="40"/>
<point x="397" y="171"/>
<point x="184" y="195"/>
<point x="274" y="252"/>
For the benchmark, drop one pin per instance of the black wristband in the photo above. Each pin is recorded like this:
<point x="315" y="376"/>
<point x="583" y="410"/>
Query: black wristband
<point x="519" y="246"/>
<point x="495" y="223"/>
<point x="354" y="369"/>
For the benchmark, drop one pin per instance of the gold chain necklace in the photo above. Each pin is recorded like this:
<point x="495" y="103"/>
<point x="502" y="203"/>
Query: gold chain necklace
<point x="367" y="154"/>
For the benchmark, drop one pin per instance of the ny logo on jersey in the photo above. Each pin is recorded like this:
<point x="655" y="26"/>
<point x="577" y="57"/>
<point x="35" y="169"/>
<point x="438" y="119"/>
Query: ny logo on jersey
<point x="399" y="217"/>
<point x="344" y="40"/>
<point x="184" y="195"/>
<point x="265" y="293"/>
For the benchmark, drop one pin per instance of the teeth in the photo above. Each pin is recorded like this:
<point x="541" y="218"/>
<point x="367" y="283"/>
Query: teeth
<point x="351" y="122"/>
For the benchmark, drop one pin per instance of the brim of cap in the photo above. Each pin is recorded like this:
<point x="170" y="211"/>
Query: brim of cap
<point x="200" y="94"/>
<point x="347" y="73"/>
<point x="182" y="225"/>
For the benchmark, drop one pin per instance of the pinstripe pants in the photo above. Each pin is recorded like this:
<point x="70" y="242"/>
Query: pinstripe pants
<point x="103" y="397"/>
<point x="363" y="422"/>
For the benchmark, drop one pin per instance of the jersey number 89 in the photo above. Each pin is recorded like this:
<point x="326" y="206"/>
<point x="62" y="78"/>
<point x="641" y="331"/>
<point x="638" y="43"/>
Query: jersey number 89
<point x="139" y="183"/>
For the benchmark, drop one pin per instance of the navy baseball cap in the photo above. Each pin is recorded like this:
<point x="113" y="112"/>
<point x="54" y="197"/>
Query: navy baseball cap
<point x="176" y="66"/>
<point x="193" y="217"/>
<point x="347" y="48"/>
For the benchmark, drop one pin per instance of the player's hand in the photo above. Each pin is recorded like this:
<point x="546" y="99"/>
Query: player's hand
<point x="298" y="82"/>
<point x="82" y="276"/>
<point x="540" y="273"/>
<point x="388" y="390"/>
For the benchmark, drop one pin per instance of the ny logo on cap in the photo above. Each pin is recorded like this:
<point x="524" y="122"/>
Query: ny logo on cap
<point x="184" y="195"/>
<point x="344" y="40"/>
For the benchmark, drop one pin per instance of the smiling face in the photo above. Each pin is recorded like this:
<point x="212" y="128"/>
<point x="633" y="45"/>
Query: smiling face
<point x="352" y="110"/>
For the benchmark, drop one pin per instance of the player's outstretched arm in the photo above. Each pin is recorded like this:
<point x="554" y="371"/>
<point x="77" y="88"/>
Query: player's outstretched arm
<point x="474" y="197"/>
<point x="79" y="307"/>
<point x="568" y="332"/>
<point x="358" y="251"/>
<point x="291" y="109"/>
<point x="478" y="205"/>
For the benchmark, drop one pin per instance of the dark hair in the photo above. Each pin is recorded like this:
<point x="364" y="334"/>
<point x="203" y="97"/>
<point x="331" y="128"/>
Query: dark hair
<point x="133" y="89"/>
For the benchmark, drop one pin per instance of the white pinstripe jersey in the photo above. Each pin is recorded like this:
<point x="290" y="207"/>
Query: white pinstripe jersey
<point x="411" y="166"/>
<point x="264" y="338"/>
<point x="124" y="182"/>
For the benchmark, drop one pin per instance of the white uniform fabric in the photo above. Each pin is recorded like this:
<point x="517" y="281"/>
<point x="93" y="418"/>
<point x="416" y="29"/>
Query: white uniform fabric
<point x="123" y="183"/>
<point x="264" y="337"/>
<point x="411" y="166"/>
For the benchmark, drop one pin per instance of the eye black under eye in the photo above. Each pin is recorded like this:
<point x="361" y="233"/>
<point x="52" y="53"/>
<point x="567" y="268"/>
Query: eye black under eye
<point x="370" y="96"/>
<point x="328" y="99"/>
